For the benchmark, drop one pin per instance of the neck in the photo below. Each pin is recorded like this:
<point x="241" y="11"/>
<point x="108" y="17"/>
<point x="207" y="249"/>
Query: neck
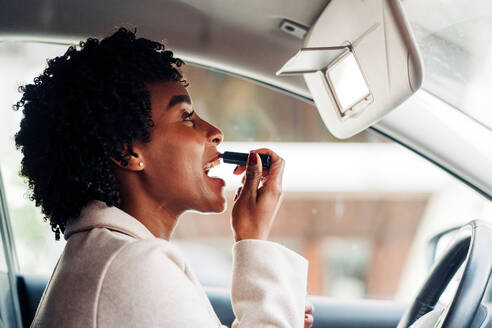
<point x="157" y="216"/>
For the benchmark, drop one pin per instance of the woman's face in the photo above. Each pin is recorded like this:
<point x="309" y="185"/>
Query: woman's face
<point x="181" y="144"/>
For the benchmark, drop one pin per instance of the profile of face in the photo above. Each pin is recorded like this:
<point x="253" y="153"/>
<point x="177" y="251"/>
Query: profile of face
<point x="181" y="144"/>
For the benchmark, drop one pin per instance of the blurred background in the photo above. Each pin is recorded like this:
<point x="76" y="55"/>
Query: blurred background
<point x="360" y="210"/>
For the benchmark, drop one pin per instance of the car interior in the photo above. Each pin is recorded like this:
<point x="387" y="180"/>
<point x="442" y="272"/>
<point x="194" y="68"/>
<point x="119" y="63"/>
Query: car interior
<point x="385" y="102"/>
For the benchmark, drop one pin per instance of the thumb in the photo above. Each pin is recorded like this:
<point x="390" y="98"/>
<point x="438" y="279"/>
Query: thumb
<point x="253" y="175"/>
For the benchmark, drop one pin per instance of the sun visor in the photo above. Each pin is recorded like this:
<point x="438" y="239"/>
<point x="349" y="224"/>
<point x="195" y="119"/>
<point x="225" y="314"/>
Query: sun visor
<point x="360" y="61"/>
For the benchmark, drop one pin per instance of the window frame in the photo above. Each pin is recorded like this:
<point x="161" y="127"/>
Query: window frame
<point x="10" y="254"/>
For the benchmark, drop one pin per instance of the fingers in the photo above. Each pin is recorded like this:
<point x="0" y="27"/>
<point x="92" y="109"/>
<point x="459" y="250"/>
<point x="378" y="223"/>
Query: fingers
<point x="238" y="193"/>
<point x="239" y="169"/>
<point x="308" y="314"/>
<point x="253" y="175"/>
<point x="309" y="308"/>
<point x="308" y="321"/>
<point x="271" y="178"/>
<point x="274" y="182"/>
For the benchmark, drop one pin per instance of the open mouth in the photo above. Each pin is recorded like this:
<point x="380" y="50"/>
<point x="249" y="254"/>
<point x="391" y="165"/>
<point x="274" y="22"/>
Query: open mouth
<point x="213" y="162"/>
<point x="207" y="167"/>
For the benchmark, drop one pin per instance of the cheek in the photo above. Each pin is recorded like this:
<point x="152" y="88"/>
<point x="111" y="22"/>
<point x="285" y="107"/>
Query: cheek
<point x="174" y="161"/>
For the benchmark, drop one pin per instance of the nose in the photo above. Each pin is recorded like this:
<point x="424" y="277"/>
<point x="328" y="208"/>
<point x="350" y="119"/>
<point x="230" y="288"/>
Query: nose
<point x="214" y="135"/>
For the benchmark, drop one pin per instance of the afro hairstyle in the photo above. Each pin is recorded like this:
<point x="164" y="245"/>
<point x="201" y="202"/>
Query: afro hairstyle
<point x="87" y="107"/>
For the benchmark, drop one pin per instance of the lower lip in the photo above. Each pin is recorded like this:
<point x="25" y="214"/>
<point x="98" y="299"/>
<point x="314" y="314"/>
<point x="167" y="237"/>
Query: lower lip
<point x="218" y="181"/>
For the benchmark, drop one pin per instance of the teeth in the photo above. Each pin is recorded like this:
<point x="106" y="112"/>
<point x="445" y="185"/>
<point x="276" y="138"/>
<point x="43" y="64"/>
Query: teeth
<point x="210" y="165"/>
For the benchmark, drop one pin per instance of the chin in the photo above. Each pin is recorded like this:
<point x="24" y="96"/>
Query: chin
<point x="218" y="205"/>
<point x="211" y="205"/>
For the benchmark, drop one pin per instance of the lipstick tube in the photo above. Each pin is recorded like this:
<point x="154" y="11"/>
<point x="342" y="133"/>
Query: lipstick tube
<point x="230" y="157"/>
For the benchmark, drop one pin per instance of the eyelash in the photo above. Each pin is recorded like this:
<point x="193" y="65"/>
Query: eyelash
<point x="188" y="115"/>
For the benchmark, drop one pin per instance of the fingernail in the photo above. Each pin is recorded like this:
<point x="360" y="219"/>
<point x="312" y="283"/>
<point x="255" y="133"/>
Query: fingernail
<point x="235" y="169"/>
<point x="237" y="193"/>
<point x="252" y="158"/>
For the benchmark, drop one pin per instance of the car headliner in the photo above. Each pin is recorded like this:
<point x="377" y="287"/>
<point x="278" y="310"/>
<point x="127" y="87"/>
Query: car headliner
<point x="247" y="41"/>
<point x="243" y="38"/>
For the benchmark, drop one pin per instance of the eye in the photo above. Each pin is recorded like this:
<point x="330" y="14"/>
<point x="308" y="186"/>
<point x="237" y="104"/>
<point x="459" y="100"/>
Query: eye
<point x="187" y="116"/>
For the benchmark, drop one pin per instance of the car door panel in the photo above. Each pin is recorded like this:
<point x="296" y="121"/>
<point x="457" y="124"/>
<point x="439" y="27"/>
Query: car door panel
<point x="328" y="313"/>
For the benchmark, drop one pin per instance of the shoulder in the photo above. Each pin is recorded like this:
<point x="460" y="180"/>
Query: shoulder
<point x="145" y="258"/>
<point x="147" y="284"/>
<point x="149" y="251"/>
<point x="141" y="274"/>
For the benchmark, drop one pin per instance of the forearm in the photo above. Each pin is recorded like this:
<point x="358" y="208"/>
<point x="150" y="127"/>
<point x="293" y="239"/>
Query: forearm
<point x="269" y="285"/>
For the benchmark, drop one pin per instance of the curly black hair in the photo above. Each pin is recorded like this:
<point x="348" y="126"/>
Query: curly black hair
<point x="87" y="106"/>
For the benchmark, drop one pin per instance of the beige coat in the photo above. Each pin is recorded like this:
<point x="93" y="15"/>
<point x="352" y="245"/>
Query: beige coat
<point x="115" y="273"/>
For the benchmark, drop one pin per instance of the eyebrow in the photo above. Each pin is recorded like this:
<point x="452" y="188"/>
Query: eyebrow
<point x="178" y="99"/>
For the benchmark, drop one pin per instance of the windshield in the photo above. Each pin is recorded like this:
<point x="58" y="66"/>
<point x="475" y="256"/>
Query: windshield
<point x="360" y="210"/>
<point x="456" y="45"/>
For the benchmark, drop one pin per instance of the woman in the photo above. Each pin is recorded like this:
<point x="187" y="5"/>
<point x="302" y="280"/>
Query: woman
<point x="114" y="153"/>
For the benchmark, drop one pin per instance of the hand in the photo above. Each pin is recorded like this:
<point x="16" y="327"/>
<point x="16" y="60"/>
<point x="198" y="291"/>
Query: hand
<point x="255" y="207"/>
<point x="308" y="315"/>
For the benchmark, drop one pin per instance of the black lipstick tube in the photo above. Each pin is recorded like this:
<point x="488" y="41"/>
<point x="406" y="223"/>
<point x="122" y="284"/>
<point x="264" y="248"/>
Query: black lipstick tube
<point x="231" y="157"/>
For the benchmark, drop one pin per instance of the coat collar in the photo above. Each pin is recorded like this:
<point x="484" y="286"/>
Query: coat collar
<point x="96" y="214"/>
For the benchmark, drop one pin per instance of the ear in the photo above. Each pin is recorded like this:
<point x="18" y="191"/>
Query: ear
<point x="135" y="161"/>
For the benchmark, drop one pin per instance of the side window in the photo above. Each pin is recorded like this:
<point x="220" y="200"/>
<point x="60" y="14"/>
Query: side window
<point x="360" y="210"/>
<point x="9" y="306"/>
<point x="37" y="250"/>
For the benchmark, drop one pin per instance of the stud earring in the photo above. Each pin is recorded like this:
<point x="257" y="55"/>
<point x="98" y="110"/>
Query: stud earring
<point x="140" y="164"/>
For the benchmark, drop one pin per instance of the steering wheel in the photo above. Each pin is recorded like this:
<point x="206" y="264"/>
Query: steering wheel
<point x="472" y="246"/>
